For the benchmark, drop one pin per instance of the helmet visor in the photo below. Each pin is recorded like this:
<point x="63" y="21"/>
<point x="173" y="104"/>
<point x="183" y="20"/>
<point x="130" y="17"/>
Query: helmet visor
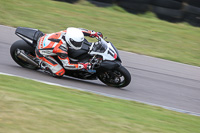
<point x="76" y="44"/>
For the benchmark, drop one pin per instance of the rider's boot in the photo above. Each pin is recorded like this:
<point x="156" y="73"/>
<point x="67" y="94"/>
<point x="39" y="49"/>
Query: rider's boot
<point x="43" y="66"/>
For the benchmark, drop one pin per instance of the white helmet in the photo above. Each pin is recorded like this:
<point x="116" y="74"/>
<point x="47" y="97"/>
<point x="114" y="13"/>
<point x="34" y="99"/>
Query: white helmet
<point x="74" y="37"/>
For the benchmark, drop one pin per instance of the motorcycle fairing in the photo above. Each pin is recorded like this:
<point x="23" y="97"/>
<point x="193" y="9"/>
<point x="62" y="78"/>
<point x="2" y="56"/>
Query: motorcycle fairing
<point x="29" y="35"/>
<point x="105" y="49"/>
<point x="110" y="64"/>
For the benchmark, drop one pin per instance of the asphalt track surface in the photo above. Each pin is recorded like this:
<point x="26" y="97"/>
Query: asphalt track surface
<point x="155" y="81"/>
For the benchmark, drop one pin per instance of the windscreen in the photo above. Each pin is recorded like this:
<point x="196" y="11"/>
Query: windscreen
<point x="101" y="46"/>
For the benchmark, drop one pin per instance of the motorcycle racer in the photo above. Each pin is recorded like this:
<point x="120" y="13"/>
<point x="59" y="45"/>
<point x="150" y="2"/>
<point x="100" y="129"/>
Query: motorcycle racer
<point x="58" y="44"/>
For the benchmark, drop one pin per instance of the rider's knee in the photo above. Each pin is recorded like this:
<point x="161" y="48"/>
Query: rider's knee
<point x="60" y="73"/>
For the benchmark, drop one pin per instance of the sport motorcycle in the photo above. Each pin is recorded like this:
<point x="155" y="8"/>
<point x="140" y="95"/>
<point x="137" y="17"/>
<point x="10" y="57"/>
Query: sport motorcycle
<point x="102" y="55"/>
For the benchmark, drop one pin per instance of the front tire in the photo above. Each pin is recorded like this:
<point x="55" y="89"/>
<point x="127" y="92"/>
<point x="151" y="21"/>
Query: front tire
<point x="28" y="50"/>
<point x="119" y="77"/>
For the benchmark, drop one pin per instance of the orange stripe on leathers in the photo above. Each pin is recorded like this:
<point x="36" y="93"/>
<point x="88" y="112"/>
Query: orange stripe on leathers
<point x="53" y="36"/>
<point x="61" y="72"/>
<point x="57" y="49"/>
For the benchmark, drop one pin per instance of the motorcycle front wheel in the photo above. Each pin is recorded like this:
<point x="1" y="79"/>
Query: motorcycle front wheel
<point x="119" y="77"/>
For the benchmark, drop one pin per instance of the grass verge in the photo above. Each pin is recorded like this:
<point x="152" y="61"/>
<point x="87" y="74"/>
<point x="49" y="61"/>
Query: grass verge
<point x="28" y="107"/>
<point x="144" y="34"/>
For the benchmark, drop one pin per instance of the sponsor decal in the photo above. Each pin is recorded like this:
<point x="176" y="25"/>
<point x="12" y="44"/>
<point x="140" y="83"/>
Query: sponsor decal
<point x="46" y="52"/>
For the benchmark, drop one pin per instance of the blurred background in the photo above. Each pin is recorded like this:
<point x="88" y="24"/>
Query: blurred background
<point x="169" y="10"/>
<point x="167" y="29"/>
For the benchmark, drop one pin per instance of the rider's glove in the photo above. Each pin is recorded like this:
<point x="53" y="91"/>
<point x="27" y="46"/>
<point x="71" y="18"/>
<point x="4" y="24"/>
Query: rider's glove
<point x="86" y="66"/>
<point x="100" y="34"/>
<point x="96" y="34"/>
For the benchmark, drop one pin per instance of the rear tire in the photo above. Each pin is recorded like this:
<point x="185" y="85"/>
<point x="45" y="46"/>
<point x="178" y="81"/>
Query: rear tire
<point x="22" y="45"/>
<point x="119" y="77"/>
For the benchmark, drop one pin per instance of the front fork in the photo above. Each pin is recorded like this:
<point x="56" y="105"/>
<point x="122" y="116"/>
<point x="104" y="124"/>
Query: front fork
<point x="112" y="76"/>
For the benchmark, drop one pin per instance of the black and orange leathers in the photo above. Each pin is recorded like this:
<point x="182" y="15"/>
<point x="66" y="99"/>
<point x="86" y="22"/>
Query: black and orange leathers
<point x="55" y="45"/>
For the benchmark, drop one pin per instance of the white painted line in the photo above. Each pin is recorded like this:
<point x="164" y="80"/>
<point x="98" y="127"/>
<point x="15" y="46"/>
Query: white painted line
<point x="108" y="95"/>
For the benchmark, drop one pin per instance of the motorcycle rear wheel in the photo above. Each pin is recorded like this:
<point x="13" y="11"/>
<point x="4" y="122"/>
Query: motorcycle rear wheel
<point x="28" y="50"/>
<point x="119" y="77"/>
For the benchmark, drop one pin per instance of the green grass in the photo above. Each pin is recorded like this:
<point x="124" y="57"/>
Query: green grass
<point x="27" y="106"/>
<point x="144" y="33"/>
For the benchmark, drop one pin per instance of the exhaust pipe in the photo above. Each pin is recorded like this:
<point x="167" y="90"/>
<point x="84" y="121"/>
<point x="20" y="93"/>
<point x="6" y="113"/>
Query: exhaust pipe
<point x="20" y="54"/>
